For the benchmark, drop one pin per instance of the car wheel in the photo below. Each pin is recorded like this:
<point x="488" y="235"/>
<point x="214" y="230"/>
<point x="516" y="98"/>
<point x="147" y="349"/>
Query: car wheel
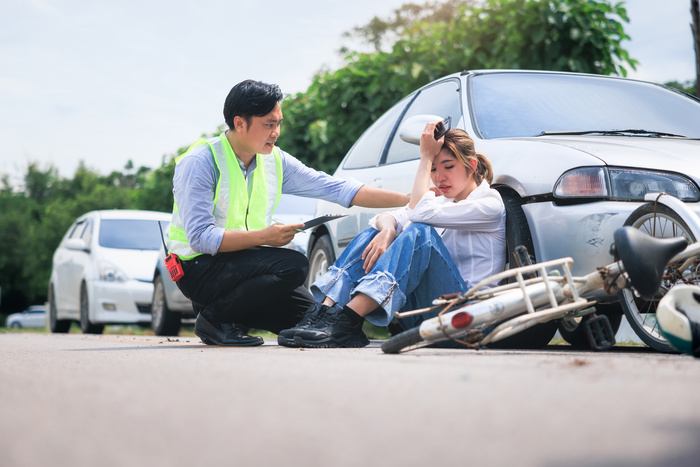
<point x="573" y="330"/>
<point x="163" y="321"/>
<point x="85" y="325"/>
<point x="518" y="233"/>
<point x="658" y="221"/>
<point x="16" y="325"/>
<point x="320" y="259"/>
<point x="56" y="325"/>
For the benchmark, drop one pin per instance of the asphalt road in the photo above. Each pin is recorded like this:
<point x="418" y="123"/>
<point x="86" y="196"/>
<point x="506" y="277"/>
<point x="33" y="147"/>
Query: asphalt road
<point x="77" y="400"/>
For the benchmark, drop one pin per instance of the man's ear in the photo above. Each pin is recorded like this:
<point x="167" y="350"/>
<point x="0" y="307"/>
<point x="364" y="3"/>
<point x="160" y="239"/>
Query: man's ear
<point x="239" y="123"/>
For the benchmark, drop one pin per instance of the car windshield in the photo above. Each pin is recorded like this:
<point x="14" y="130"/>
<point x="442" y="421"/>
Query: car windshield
<point x="131" y="234"/>
<point x="528" y="104"/>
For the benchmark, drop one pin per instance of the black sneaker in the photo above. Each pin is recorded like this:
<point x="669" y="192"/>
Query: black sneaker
<point x="312" y="315"/>
<point x="333" y="330"/>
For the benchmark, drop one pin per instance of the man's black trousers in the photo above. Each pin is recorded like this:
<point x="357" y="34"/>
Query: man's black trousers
<point x="260" y="287"/>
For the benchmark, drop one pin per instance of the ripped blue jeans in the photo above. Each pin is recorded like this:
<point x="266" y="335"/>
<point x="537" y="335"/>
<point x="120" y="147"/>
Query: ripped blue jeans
<point x="414" y="270"/>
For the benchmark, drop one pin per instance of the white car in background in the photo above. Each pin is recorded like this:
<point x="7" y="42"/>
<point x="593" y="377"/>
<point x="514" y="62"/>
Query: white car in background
<point x="32" y="317"/>
<point x="103" y="270"/>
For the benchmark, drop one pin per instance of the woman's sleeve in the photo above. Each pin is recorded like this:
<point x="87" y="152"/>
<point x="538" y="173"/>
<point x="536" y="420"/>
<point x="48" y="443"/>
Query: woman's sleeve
<point x="482" y="214"/>
<point x="401" y="216"/>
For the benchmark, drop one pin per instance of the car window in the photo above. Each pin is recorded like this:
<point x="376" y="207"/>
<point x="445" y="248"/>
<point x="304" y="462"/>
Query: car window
<point x="130" y="234"/>
<point x="369" y="148"/>
<point x="518" y="104"/>
<point x="87" y="232"/>
<point x="441" y="99"/>
<point x="78" y="229"/>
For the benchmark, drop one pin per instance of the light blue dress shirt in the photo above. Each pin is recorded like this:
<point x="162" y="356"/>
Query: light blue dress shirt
<point x="195" y="181"/>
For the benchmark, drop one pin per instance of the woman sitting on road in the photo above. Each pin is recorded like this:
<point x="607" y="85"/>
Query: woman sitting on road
<point x="447" y="239"/>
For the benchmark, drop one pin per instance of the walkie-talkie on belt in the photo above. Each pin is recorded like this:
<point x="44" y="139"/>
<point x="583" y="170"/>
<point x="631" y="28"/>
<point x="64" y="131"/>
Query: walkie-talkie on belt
<point x="172" y="261"/>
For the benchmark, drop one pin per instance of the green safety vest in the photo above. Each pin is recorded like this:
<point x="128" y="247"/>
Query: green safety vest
<point x="234" y="208"/>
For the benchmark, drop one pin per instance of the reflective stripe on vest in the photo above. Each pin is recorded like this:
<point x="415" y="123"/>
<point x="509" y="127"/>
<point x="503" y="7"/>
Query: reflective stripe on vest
<point x="234" y="209"/>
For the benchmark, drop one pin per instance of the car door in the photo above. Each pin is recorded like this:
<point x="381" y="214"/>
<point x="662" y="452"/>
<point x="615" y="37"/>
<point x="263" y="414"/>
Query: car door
<point x="36" y="317"/>
<point x="69" y="268"/>
<point x="61" y="265"/>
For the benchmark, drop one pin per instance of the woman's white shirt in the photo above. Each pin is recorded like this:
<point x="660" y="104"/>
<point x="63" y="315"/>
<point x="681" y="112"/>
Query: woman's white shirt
<point x="473" y="230"/>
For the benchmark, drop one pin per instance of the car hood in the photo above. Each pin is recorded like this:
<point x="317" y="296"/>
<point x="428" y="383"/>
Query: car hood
<point x="671" y="154"/>
<point x="136" y="264"/>
<point x="533" y="165"/>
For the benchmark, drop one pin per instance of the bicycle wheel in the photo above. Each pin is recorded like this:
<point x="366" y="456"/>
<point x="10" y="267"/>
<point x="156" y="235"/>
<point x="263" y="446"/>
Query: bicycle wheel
<point x="658" y="221"/>
<point x="402" y="341"/>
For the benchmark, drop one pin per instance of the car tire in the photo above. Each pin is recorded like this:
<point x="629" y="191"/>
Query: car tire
<point x="518" y="233"/>
<point x="164" y="322"/>
<point x="16" y="325"/>
<point x="320" y="259"/>
<point x="574" y="332"/>
<point x="58" y="326"/>
<point x="85" y="324"/>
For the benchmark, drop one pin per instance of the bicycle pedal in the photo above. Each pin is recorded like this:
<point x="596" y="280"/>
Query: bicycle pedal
<point x="599" y="332"/>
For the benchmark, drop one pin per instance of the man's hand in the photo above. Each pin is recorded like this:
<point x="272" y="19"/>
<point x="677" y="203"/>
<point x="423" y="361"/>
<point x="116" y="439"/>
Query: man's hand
<point x="279" y="234"/>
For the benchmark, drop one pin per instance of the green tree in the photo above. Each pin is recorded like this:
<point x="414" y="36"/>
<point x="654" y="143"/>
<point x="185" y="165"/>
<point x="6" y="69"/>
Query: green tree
<point x="381" y="33"/>
<point x="689" y="87"/>
<point x="34" y="220"/>
<point x="439" y="38"/>
<point x="156" y="188"/>
<point x="13" y="218"/>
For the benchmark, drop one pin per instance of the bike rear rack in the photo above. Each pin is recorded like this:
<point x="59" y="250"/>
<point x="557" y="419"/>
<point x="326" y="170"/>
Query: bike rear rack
<point x="572" y="301"/>
<point x="546" y="273"/>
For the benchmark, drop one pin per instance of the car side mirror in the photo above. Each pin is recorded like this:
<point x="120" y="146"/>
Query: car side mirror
<point x="411" y="128"/>
<point x="77" y="244"/>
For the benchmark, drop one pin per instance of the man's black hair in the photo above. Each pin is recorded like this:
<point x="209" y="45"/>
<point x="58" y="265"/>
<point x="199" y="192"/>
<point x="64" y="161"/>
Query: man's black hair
<point x="251" y="98"/>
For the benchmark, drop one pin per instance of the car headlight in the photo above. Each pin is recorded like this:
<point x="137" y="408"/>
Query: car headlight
<point x="622" y="184"/>
<point x="110" y="273"/>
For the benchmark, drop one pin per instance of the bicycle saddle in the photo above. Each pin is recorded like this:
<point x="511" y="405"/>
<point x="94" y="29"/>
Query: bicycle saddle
<point x="645" y="257"/>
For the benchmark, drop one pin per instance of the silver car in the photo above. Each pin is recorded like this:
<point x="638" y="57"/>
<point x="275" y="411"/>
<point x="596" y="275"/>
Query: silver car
<point x="103" y="268"/>
<point x="32" y="317"/>
<point x="573" y="156"/>
<point x="170" y="306"/>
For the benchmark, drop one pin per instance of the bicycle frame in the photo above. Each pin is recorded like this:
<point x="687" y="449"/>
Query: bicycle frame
<point x="537" y="300"/>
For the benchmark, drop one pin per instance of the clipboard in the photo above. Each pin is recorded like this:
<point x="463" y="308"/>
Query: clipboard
<point x="321" y="220"/>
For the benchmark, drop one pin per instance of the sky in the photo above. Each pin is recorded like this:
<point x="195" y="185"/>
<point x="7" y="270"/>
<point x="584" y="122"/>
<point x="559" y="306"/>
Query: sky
<point x="108" y="81"/>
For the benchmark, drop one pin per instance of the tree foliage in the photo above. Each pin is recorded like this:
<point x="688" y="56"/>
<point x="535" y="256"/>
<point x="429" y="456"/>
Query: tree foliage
<point x="686" y="86"/>
<point x="438" y="38"/>
<point x="35" y="219"/>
